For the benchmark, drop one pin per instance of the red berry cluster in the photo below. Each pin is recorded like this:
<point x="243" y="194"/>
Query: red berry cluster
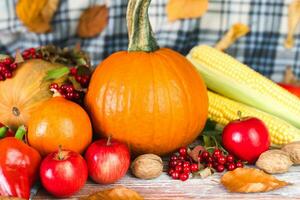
<point x="66" y="90"/>
<point x="218" y="161"/>
<point x="31" y="53"/>
<point x="7" y="66"/>
<point x="181" y="165"/>
<point x="82" y="79"/>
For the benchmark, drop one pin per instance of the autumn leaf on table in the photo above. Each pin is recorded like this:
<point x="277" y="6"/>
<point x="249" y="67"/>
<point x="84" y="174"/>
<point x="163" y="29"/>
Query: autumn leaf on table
<point x="37" y="14"/>
<point x="248" y="180"/>
<point x="185" y="9"/>
<point x="117" y="193"/>
<point x="235" y="32"/>
<point x="93" y="21"/>
<point x="293" y="22"/>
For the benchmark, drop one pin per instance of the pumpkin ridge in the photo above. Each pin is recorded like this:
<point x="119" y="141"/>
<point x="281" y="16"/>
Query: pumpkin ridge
<point x="170" y="63"/>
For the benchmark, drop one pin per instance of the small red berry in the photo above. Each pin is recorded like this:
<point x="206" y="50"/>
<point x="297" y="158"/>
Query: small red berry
<point x="239" y="164"/>
<point x="220" y="168"/>
<point x="70" y="95"/>
<point x="187" y="169"/>
<point x="194" y="167"/>
<point x="73" y="71"/>
<point x="54" y="86"/>
<point x="184" y="176"/>
<point x="210" y="165"/>
<point x="175" y="175"/>
<point x="186" y="164"/>
<point x="204" y="155"/>
<point x="76" y="95"/>
<point x="182" y="151"/>
<point x="181" y="157"/>
<point x="209" y="159"/>
<point x="217" y="153"/>
<point x="2" y="78"/>
<point x="173" y="163"/>
<point x="231" y="166"/>
<point x="69" y="88"/>
<point x="173" y="157"/>
<point x="178" y="168"/>
<point x="230" y="159"/>
<point x="33" y="56"/>
<point x="31" y="50"/>
<point x="200" y="158"/>
<point x="215" y="164"/>
<point x="8" y="61"/>
<point x="8" y="74"/>
<point x="222" y="160"/>
<point x="13" y="66"/>
<point x="170" y="172"/>
<point x="78" y="78"/>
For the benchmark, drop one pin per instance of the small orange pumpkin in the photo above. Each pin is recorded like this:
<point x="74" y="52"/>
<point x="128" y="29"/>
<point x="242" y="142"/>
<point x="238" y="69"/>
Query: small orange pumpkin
<point x="21" y="95"/>
<point x="57" y="122"/>
<point x="149" y="97"/>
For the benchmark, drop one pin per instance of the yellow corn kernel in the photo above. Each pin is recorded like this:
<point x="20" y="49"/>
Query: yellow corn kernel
<point x="223" y="110"/>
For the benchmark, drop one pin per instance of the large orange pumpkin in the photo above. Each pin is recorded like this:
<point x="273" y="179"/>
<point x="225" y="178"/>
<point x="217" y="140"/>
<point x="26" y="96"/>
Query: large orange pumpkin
<point x="56" y="122"/>
<point x="151" y="98"/>
<point x="21" y="95"/>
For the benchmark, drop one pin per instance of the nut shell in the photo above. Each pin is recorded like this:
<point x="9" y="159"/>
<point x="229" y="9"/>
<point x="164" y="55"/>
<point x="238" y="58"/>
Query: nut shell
<point x="274" y="161"/>
<point x="293" y="149"/>
<point x="147" y="166"/>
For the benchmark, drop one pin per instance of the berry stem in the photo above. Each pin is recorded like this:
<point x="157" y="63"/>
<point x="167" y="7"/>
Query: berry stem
<point x="239" y="113"/>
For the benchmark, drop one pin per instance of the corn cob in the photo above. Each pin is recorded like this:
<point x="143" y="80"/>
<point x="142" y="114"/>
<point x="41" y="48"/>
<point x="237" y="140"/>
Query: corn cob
<point x="223" y="110"/>
<point x="227" y="76"/>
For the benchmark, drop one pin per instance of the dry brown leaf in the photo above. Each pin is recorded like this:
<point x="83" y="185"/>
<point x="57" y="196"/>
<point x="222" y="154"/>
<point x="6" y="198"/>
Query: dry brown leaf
<point x="185" y="9"/>
<point x="248" y="180"/>
<point x="293" y="21"/>
<point x="37" y="14"/>
<point x="117" y="193"/>
<point x="195" y="152"/>
<point x="236" y="31"/>
<point x="92" y="21"/>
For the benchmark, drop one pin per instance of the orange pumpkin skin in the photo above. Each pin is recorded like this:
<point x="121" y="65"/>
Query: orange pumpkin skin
<point x="21" y="95"/>
<point x="59" y="122"/>
<point x="155" y="102"/>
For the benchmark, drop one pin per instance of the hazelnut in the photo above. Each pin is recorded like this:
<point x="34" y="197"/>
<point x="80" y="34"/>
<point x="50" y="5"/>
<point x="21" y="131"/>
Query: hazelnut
<point x="147" y="166"/>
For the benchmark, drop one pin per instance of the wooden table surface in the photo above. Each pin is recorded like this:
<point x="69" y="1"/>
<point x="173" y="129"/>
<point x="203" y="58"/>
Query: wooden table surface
<point x="164" y="188"/>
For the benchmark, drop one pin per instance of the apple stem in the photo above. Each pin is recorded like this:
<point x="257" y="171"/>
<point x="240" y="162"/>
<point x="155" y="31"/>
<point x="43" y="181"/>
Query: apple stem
<point x="108" y="140"/>
<point x="60" y="155"/>
<point x="239" y="113"/>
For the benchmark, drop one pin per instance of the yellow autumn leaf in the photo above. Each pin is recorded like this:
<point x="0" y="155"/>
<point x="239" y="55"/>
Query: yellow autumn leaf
<point x="117" y="193"/>
<point x="293" y="21"/>
<point x="235" y="32"/>
<point x="248" y="180"/>
<point x="37" y="14"/>
<point x="185" y="9"/>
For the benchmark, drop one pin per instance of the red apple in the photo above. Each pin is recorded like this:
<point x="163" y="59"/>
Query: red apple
<point x="107" y="160"/>
<point x="5" y="131"/>
<point x="246" y="138"/>
<point x="63" y="173"/>
<point x="291" y="88"/>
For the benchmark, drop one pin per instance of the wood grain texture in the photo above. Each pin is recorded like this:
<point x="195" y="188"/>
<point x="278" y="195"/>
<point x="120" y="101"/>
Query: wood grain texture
<point x="164" y="188"/>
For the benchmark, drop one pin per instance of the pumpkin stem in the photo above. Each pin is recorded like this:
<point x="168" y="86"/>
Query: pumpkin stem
<point x="3" y="131"/>
<point x="21" y="132"/>
<point x="141" y="36"/>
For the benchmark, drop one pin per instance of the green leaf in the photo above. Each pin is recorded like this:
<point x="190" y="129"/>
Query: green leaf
<point x="57" y="73"/>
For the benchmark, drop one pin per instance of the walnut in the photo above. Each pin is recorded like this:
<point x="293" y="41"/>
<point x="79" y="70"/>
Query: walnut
<point x="293" y="149"/>
<point x="147" y="166"/>
<point x="274" y="161"/>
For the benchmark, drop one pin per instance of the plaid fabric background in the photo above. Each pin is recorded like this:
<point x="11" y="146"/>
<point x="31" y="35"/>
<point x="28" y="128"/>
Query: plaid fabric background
<point x="261" y="49"/>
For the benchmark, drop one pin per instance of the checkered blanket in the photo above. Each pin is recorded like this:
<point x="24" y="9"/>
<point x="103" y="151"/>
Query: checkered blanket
<point x="262" y="48"/>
